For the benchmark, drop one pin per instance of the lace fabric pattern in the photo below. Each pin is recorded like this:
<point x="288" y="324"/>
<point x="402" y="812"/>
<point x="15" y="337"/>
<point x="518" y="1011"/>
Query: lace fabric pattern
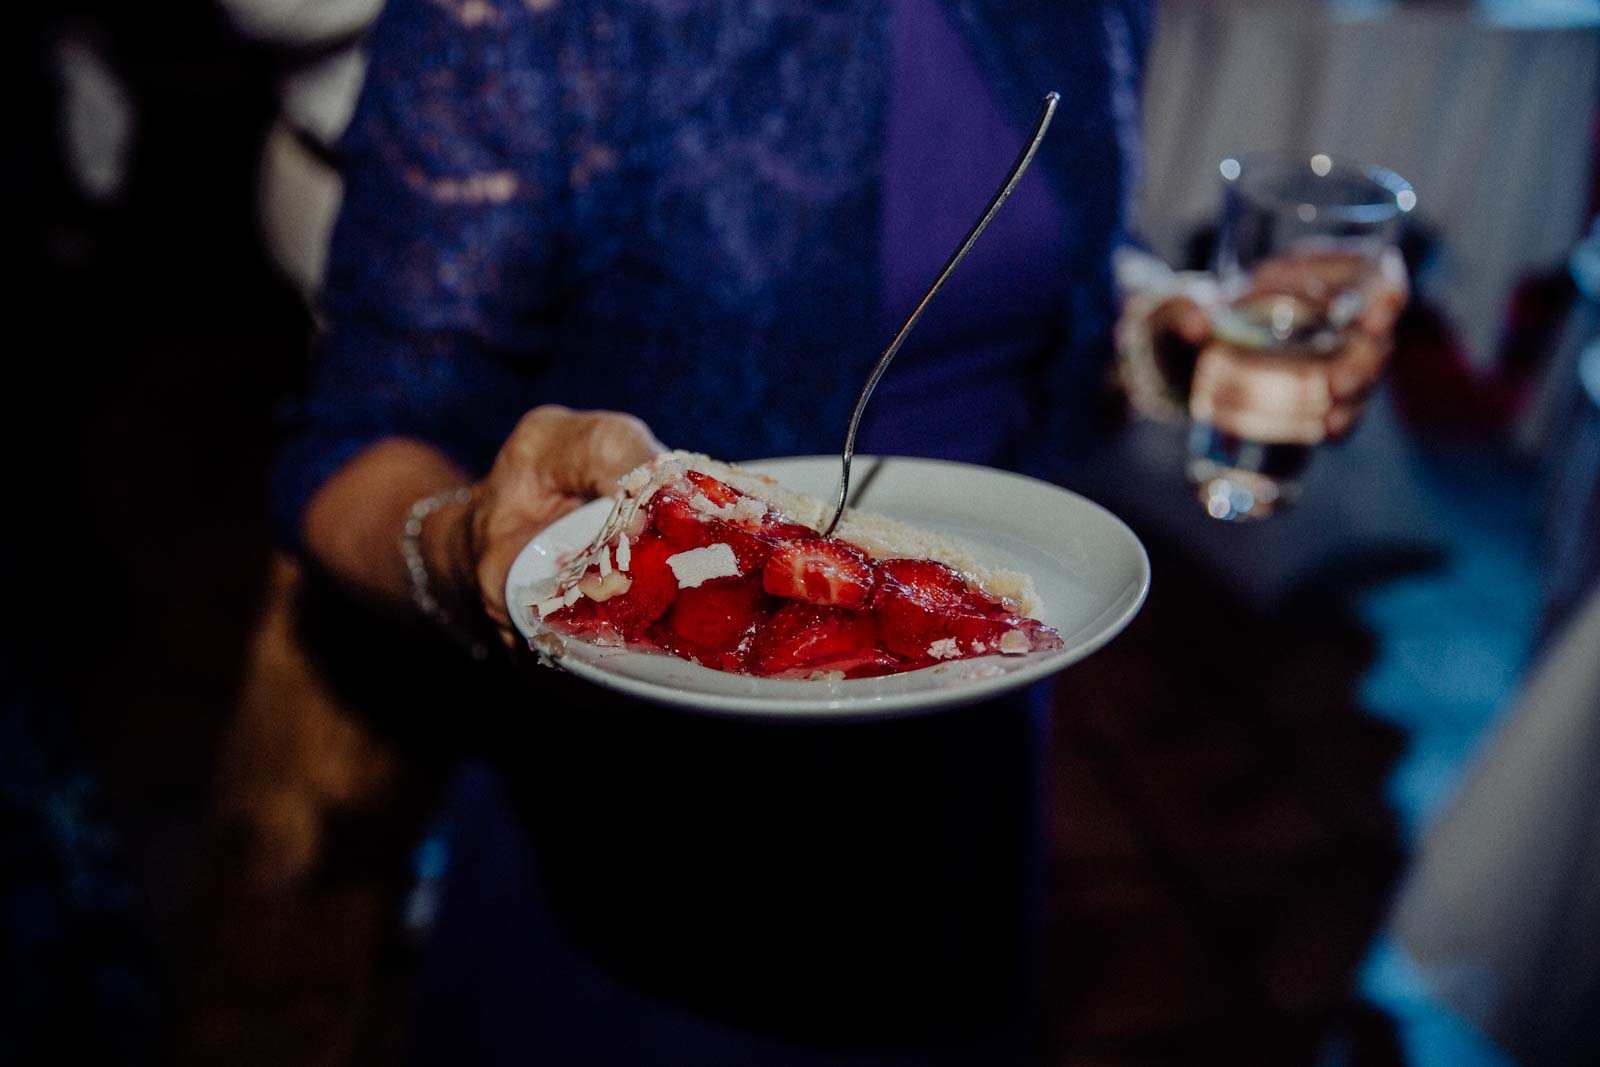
<point x="668" y="207"/>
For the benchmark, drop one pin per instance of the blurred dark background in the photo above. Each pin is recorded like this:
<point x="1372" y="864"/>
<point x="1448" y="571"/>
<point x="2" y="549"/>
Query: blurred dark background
<point x="153" y="343"/>
<point x="205" y="857"/>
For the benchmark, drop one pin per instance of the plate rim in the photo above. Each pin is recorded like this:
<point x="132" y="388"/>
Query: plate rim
<point x="1121" y="609"/>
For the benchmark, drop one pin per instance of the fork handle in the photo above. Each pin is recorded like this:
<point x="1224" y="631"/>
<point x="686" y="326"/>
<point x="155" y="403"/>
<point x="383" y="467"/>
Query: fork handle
<point x="1046" y="112"/>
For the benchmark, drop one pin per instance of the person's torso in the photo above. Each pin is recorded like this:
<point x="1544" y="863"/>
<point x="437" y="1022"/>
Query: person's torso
<point x="756" y="198"/>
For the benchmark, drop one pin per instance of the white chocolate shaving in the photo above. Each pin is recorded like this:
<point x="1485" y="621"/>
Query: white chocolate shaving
<point x="601" y="589"/>
<point x="649" y="493"/>
<point x="746" y="511"/>
<point x="635" y="479"/>
<point x="699" y="565"/>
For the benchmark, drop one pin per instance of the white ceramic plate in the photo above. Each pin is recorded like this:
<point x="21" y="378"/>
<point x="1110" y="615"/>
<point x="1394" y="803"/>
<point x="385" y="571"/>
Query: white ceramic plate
<point x="1090" y="570"/>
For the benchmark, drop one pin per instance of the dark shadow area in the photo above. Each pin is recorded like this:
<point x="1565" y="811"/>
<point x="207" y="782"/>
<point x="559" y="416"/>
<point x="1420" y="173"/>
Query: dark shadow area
<point x="837" y="885"/>
<point x="151" y="349"/>
<point x="1221" y="852"/>
<point x="332" y="762"/>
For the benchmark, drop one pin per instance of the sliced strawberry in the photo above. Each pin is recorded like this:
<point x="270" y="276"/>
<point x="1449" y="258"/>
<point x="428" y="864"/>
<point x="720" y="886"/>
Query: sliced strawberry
<point x="719" y="493"/>
<point x="904" y="626"/>
<point x="815" y="638"/>
<point x="751" y="551"/>
<point x="920" y="604"/>
<point x="932" y="583"/>
<point x="675" y="519"/>
<point x="654" y="586"/>
<point x="913" y="602"/>
<point x="777" y="528"/>
<point x="581" y="618"/>
<point x="820" y="571"/>
<point x="719" y="617"/>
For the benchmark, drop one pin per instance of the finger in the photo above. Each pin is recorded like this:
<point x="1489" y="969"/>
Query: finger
<point x="1314" y="274"/>
<point x="1389" y="291"/>
<point x="1271" y="427"/>
<point x="1342" y="419"/>
<point x="1253" y="424"/>
<point x="582" y="453"/>
<point x="1183" y="317"/>
<point x="613" y="445"/>
<point x="505" y="532"/>
<point x="1357" y="367"/>
<point x="1261" y="398"/>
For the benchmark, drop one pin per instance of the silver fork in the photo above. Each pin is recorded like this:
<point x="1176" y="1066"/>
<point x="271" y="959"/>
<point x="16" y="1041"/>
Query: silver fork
<point x="1046" y="113"/>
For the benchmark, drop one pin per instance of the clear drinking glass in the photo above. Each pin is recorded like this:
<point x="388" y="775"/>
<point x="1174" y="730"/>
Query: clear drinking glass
<point x="1298" y="250"/>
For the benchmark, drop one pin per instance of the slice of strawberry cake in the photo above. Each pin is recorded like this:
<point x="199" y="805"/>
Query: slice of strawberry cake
<point x="719" y="565"/>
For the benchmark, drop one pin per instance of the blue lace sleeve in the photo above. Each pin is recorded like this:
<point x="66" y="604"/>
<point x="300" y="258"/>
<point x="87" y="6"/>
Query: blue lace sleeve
<point x="442" y="252"/>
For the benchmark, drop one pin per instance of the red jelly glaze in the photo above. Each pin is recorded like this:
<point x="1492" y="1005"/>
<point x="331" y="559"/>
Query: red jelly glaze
<point x="812" y="637"/>
<point x="654" y="586"/>
<point x="716" y="623"/>
<point x="920" y="602"/>
<point x="801" y="605"/>
<point x="677" y="521"/>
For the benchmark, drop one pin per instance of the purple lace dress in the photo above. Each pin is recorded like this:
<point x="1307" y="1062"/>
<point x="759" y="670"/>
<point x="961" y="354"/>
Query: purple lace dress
<point x="712" y="215"/>
<point x="676" y="208"/>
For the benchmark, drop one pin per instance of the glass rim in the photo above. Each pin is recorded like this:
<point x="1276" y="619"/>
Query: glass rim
<point x="1251" y="175"/>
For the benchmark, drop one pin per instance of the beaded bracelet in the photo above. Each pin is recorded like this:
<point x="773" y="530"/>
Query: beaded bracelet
<point x="421" y="586"/>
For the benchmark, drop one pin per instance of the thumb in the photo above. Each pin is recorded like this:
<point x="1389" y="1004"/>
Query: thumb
<point x="595" y="448"/>
<point x="1182" y="316"/>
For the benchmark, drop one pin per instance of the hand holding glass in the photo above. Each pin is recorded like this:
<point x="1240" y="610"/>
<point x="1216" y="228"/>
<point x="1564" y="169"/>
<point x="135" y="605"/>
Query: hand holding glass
<point x="1309" y="287"/>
